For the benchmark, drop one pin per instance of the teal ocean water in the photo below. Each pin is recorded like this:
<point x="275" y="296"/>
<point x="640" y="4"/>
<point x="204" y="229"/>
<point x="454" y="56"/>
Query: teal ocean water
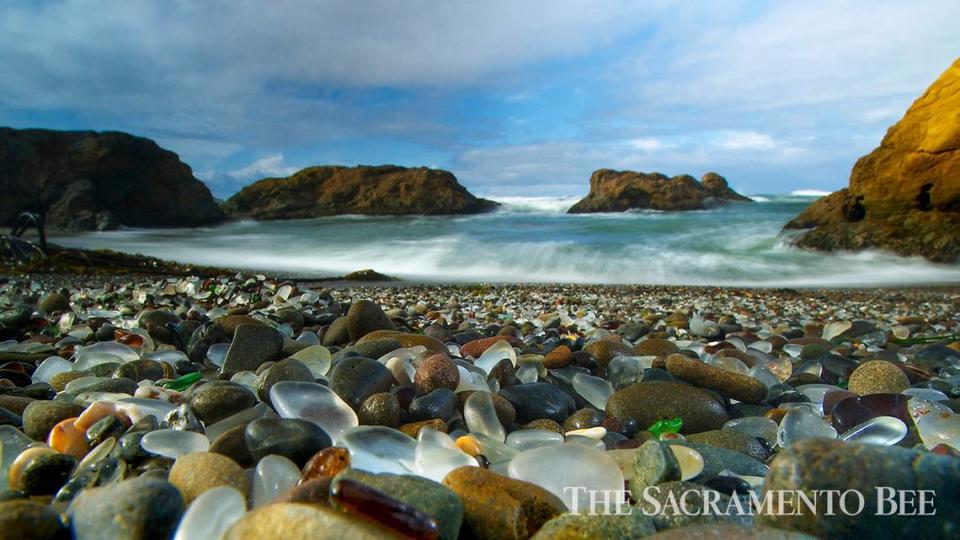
<point x="533" y="240"/>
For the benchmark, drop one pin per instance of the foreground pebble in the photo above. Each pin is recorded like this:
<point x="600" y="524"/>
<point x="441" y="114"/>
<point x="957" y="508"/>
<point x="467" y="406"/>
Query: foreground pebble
<point x="250" y="408"/>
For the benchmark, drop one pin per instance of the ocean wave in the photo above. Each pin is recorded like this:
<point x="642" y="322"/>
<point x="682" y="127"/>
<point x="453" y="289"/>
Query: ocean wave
<point x="753" y="257"/>
<point x="810" y="193"/>
<point x="535" y="205"/>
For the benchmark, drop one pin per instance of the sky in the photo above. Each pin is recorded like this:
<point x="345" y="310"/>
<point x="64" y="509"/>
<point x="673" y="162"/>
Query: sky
<point x="516" y="98"/>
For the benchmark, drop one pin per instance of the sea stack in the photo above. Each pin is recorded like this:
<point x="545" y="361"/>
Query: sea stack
<point x="619" y="191"/>
<point x="905" y="195"/>
<point x="87" y="180"/>
<point x="335" y="190"/>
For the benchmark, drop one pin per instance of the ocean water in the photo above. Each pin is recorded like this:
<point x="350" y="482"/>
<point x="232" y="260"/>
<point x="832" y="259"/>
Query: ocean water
<point x="531" y="239"/>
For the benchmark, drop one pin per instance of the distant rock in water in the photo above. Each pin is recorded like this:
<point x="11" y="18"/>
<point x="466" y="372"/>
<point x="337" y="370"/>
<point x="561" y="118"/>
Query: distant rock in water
<point x="335" y="190"/>
<point x="619" y="191"/>
<point x="87" y="180"/>
<point x="905" y="195"/>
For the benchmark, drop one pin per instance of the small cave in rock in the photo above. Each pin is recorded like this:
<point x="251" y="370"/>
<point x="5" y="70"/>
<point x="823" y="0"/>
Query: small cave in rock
<point x="855" y="211"/>
<point x="924" y="204"/>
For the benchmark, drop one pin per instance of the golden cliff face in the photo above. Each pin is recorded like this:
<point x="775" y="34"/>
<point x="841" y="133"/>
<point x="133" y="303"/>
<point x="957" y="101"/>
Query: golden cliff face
<point x="905" y="195"/>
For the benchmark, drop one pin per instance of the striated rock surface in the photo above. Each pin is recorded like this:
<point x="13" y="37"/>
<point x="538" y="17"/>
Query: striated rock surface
<point x="87" y="180"/>
<point x="619" y="191"/>
<point x="905" y="195"/>
<point x="334" y="190"/>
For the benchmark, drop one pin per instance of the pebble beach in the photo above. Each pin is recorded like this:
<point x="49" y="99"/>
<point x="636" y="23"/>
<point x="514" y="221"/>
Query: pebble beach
<point x="247" y="407"/>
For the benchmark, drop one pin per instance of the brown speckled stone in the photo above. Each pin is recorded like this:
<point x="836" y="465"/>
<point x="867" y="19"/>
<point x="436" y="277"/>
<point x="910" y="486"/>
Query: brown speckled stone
<point x="878" y="377"/>
<point x="826" y="464"/>
<point x="727" y="383"/>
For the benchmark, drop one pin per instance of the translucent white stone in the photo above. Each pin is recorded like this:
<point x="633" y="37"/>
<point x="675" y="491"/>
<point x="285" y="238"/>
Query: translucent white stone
<point x="66" y="322"/>
<point x="12" y="442"/>
<point x="691" y="462"/>
<point x="563" y="470"/>
<point x="729" y="363"/>
<point x="498" y="453"/>
<point x="527" y="373"/>
<point x="781" y="367"/>
<point x="525" y="439"/>
<point x="481" y="416"/>
<point x="623" y="371"/>
<point x="816" y="392"/>
<point x="471" y="380"/>
<point x="87" y="398"/>
<point x="802" y="423"/>
<point x="273" y="476"/>
<point x="101" y="314"/>
<point x="77" y="385"/>
<point x="248" y="379"/>
<point x="407" y="353"/>
<point x="173" y="443"/>
<point x="589" y="442"/>
<point x="50" y="367"/>
<point x="211" y="514"/>
<point x="139" y="408"/>
<point x="762" y="346"/>
<point x="317" y="358"/>
<point x="378" y="449"/>
<point x="260" y="410"/>
<point x="453" y="349"/>
<point x="314" y="402"/>
<point x="754" y="426"/>
<point x="105" y="352"/>
<point x="437" y="454"/>
<point x="593" y="389"/>
<point x="737" y="343"/>
<point x="217" y="353"/>
<point x="102" y="353"/>
<point x="703" y="327"/>
<point x="935" y="423"/>
<point x="169" y="356"/>
<point x="284" y="292"/>
<point x="881" y="431"/>
<point x="764" y="375"/>
<point x="835" y="328"/>
<point x="309" y="337"/>
<point x="402" y="370"/>
<point x="494" y="355"/>
<point x="793" y="349"/>
<point x="927" y="394"/>
<point x="81" y="333"/>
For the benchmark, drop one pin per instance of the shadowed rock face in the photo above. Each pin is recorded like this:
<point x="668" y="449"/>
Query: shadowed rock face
<point x="619" y="191"/>
<point x="905" y="195"/>
<point x="86" y="180"/>
<point x="333" y="190"/>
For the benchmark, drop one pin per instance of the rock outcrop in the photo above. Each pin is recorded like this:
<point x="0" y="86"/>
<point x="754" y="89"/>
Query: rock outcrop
<point x="905" y="195"/>
<point x="86" y="180"/>
<point x="619" y="191"/>
<point x="334" y="190"/>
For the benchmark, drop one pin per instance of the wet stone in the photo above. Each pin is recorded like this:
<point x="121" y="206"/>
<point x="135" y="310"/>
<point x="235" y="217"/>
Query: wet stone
<point x="252" y="345"/>
<point x="539" y="400"/>
<point x="295" y="439"/>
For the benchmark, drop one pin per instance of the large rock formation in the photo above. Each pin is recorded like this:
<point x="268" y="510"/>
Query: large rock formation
<point x="905" y="195"/>
<point x="333" y="190"/>
<point x="619" y="191"/>
<point x="85" y="180"/>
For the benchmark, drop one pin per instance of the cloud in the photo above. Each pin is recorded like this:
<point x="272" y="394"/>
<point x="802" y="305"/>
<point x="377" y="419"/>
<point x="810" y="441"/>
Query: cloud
<point x="268" y="166"/>
<point x="746" y="140"/>
<point x="523" y="95"/>
<point x="647" y="143"/>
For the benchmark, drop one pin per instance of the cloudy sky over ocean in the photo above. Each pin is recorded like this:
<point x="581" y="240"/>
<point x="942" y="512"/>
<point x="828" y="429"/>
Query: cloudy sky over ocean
<point x="516" y="98"/>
